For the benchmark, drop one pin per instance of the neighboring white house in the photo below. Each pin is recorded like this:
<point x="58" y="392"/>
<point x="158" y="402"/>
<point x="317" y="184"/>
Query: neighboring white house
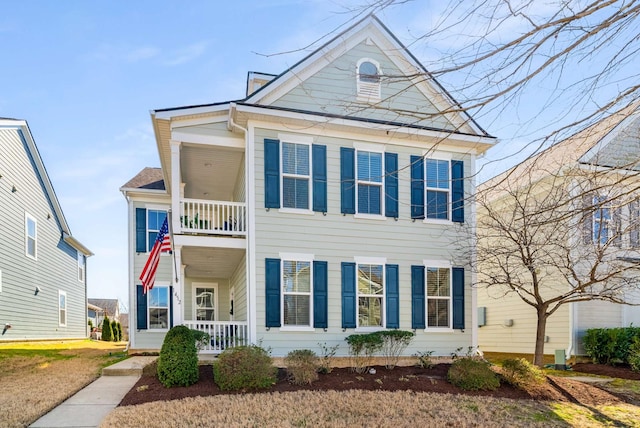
<point x="333" y="199"/>
<point x="43" y="286"/>
<point x="603" y="162"/>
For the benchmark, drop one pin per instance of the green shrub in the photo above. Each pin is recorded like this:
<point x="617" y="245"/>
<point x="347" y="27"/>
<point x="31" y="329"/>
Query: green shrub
<point x="520" y="372"/>
<point x="394" y="342"/>
<point x="178" y="361"/>
<point x="361" y="350"/>
<point x="114" y="331"/>
<point x="302" y="366"/>
<point x="119" y="332"/>
<point x="244" y="368"/>
<point x="326" y="360"/>
<point x="107" y="334"/>
<point x="609" y="345"/>
<point x="472" y="375"/>
<point x="201" y="338"/>
<point x="634" y="355"/>
<point x="425" y="359"/>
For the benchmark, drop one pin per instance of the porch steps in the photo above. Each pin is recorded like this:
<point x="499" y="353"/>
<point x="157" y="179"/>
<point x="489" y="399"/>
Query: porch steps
<point x="130" y="367"/>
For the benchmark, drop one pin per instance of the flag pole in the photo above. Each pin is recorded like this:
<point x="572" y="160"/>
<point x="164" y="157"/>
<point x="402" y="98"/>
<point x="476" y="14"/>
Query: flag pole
<point x="173" y="255"/>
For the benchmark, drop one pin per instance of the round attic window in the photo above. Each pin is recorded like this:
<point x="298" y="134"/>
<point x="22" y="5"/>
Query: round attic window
<point x="368" y="72"/>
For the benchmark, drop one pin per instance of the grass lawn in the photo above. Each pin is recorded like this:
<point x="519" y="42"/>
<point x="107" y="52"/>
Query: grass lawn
<point x="37" y="376"/>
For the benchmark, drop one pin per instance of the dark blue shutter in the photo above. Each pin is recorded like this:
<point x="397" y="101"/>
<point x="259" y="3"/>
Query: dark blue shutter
<point x="417" y="297"/>
<point x="320" y="284"/>
<point x="272" y="295"/>
<point x="348" y="295"/>
<point x="457" y="191"/>
<point x="271" y="173"/>
<point x="141" y="308"/>
<point x="141" y="230"/>
<point x="347" y="181"/>
<point x="417" y="187"/>
<point x="391" y="184"/>
<point x="393" y="296"/>
<point x="170" y="306"/>
<point x="319" y="154"/>
<point x="458" y="297"/>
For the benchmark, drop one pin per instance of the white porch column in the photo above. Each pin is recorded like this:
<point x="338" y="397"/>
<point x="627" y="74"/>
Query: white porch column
<point x="178" y="286"/>
<point x="176" y="187"/>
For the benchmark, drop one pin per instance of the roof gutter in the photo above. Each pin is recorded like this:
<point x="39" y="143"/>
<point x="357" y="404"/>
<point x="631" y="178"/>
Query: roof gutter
<point x="76" y="244"/>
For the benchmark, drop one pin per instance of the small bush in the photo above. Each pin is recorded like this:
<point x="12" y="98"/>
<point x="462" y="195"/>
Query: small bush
<point x="244" y="368"/>
<point x="520" y="372"/>
<point x="610" y="345"/>
<point x="302" y="366"/>
<point x="107" y="333"/>
<point x="425" y="359"/>
<point x="394" y="342"/>
<point x="201" y="338"/>
<point x="634" y="355"/>
<point x="326" y="360"/>
<point x="114" y="331"/>
<point x="178" y="361"/>
<point x="361" y="350"/>
<point x="472" y="375"/>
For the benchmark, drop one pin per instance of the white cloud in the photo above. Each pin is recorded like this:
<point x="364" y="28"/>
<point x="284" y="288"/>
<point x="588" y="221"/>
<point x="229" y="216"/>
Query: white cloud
<point x="186" y="54"/>
<point x="118" y="53"/>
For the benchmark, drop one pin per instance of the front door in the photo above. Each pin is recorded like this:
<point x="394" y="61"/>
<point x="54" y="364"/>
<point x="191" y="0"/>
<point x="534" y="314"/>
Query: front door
<point x="205" y="301"/>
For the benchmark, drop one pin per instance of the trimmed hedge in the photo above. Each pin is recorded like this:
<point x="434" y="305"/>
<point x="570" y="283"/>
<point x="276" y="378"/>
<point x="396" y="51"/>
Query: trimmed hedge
<point x="244" y="368"/>
<point x="178" y="361"/>
<point x="610" y="345"/>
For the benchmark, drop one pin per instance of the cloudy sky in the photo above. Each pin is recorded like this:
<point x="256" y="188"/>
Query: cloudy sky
<point x="85" y="75"/>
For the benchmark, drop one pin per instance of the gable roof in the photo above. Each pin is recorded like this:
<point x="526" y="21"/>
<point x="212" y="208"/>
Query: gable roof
<point x="25" y="133"/>
<point x="147" y="179"/>
<point x="110" y="306"/>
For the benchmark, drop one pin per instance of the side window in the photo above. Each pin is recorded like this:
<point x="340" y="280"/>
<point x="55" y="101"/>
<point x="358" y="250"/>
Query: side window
<point x="369" y="182"/>
<point x="155" y="219"/>
<point x="370" y="289"/>
<point x="296" y="292"/>
<point x="601" y="219"/>
<point x="158" y="307"/>
<point x="62" y="308"/>
<point x="368" y="80"/>
<point x="31" y="236"/>
<point x="81" y="264"/>
<point x="296" y="175"/>
<point x="438" y="192"/>
<point x="438" y="297"/>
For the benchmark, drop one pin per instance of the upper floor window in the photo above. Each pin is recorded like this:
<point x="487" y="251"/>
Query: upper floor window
<point x="437" y="189"/>
<point x="158" y="307"/>
<point x="601" y="219"/>
<point x="296" y="292"/>
<point x="296" y="175"/>
<point x="31" y="236"/>
<point x="369" y="178"/>
<point x="368" y="80"/>
<point x="438" y="297"/>
<point x="370" y="291"/>
<point x="62" y="308"/>
<point x="155" y="219"/>
<point x="81" y="263"/>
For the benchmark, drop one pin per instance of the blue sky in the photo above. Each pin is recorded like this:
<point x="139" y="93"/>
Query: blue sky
<point x="86" y="74"/>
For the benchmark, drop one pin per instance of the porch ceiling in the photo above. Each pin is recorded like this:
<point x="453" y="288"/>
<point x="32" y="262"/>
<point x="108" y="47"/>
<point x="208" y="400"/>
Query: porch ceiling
<point x="204" y="262"/>
<point x="210" y="173"/>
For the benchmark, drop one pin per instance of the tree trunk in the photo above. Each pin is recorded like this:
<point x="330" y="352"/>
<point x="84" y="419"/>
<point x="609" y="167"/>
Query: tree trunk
<point x="538" y="355"/>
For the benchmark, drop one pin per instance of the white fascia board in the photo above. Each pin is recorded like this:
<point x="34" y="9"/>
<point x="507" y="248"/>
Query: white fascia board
<point x="187" y="111"/>
<point x="208" y="140"/>
<point x="209" y="242"/>
<point x="76" y="244"/>
<point x="177" y="122"/>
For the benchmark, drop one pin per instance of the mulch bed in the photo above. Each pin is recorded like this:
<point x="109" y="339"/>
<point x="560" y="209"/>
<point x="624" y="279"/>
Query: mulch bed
<point x="621" y="371"/>
<point x="434" y="380"/>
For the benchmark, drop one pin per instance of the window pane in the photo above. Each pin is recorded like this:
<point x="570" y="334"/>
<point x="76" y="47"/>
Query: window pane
<point x="369" y="199"/>
<point x="297" y="310"/>
<point x="437" y="204"/>
<point x="158" y="318"/>
<point x="31" y="247"/>
<point x="63" y="301"/>
<point x="295" y="158"/>
<point x="437" y="173"/>
<point x="438" y="283"/>
<point x="368" y="72"/>
<point x="302" y="158"/>
<point x="370" y="311"/>
<point x="31" y="228"/>
<point x="370" y="166"/>
<point x="205" y="297"/>
<point x="159" y="296"/>
<point x="295" y="193"/>
<point x="370" y="279"/>
<point x="205" y="315"/>
<point x="438" y="312"/>
<point x="296" y="276"/>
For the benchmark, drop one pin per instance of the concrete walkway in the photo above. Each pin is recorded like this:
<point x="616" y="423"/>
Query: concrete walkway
<point x="89" y="406"/>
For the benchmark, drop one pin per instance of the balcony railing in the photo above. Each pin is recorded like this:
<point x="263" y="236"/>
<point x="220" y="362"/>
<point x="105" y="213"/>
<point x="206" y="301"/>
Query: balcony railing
<point x="213" y="217"/>
<point x="223" y="334"/>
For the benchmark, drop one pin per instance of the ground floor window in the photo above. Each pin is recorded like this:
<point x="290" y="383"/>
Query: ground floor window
<point x="62" y="308"/>
<point x="438" y="297"/>
<point x="158" y="306"/>
<point x="370" y="295"/>
<point x="296" y="292"/>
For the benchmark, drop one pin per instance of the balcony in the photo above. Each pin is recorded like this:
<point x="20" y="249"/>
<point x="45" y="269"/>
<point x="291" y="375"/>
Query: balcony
<point x="206" y="217"/>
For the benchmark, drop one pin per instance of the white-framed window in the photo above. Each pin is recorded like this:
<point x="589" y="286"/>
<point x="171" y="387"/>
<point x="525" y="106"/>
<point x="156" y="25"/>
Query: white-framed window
<point x="296" y="175"/>
<point x="634" y="224"/>
<point x="205" y="302"/>
<point x="370" y="290"/>
<point x="368" y="79"/>
<point x="369" y="182"/>
<point x="438" y="294"/>
<point x="30" y="236"/>
<point x="601" y="219"/>
<point x="297" y="290"/>
<point x="437" y="189"/>
<point x="158" y="307"/>
<point x="62" y="308"/>
<point x="81" y="265"/>
<point x="155" y="219"/>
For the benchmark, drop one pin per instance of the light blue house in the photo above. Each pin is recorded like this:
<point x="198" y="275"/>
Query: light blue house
<point x="333" y="199"/>
<point x="43" y="285"/>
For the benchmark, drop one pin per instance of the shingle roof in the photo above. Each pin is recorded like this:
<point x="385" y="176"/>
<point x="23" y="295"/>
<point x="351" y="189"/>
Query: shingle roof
<point x="149" y="178"/>
<point x="109" y="305"/>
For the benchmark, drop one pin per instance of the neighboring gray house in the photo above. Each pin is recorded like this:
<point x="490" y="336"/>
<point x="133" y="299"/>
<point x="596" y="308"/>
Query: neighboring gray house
<point x="300" y="214"/>
<point x="109" y="308"/>
<point x="43" y="286"/>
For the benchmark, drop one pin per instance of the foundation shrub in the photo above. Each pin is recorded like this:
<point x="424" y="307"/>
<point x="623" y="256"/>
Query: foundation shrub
<point x="326" y="358"/>
<point x="473" y="375"/>
<point x="394" y="342"/>
<point x="425" y="359"/>
<point x="178" y="361"/>
<point x="610" y="345"/>
<point x="521" y="373"/>
<point x="362" y="347"/>
<point x="302" y="366"/>
<point x="244" y="368"/>
<point x="634" y="355"/>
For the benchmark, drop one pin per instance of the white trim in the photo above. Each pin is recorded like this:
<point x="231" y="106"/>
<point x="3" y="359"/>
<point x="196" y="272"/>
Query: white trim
<point x="66" y="308"/>
<point x="179" y="121"/>
<point x="295" y="257"/>
<point x="295" y="328"/>
<point x="370" y="216"/>
<point x="308" y="177"/>
<point x="296" y="211"/>
<point x="439" y="330"/>
<point x="438" y="264"/>
<point x="296" y="138"/>
<point x="169" y="297"/>
<point x="214" y="286"/>
<point x="28" y="217"/>
<point x="368" y="91"/>
<point x="435" y="220"/>
<point x="251" y="235"/>
<point x="207" y="140"/>
<point x="473" y="256"/>
<point x="448" y="190"/>
<point x="380" y="184"/>
<point x="300" y="257"/>
<point x="376" y="261"/>
<point x="369" y="147"/>
<point x="370" y="260"/>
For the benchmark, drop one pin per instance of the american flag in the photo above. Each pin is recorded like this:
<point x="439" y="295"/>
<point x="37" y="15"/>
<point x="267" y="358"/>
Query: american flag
<point x="162" y="245"/>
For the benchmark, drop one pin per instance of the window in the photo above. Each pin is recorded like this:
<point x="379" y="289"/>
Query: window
<point x="155" y="219"/>
<point x="81" y="262"/>
<point x="437" y="189"/>
<point x="368" y="80"/>
<point x="205" y="303"/>
<point x="438" y="297"/>
<point x="158" y="304"/>
<point x="295" y="175"/>
<point x="31" y="236"/>
<point x="370" y="288"/>
<point x="601" y="219"/>
<point x="296" y="292"/>
<point x="634" y="224"/>
<point x="369" y="182"/>
<point x="62" y="308"/>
